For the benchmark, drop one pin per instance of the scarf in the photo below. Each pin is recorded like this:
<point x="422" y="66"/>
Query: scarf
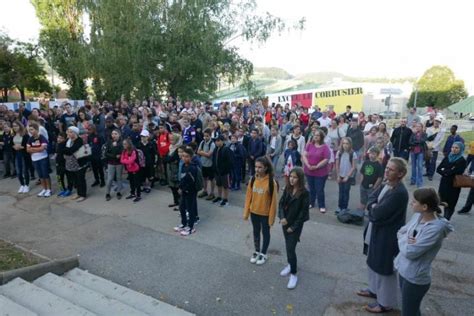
<point x="453" y="157"/>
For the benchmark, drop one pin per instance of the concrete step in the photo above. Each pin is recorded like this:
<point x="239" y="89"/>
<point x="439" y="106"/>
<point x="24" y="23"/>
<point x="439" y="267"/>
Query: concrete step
<point x="84" y="297"/>
<point x="39" y="300"/>
<point x="112" y="290"/>
<point x="10" y="308"/>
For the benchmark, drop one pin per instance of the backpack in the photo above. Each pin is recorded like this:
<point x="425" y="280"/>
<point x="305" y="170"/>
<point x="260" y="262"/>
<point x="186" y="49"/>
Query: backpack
<point x="140" y="160"/>
<point x="270" y="185"/>
<point x="351" y="217"/>
<point x="352" y="177"/>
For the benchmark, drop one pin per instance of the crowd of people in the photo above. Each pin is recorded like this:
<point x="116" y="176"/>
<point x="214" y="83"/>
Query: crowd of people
<point x="202" y="152"/>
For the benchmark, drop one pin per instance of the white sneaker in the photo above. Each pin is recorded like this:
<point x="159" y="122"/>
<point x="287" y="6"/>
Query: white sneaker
<point x="20" y="190"/>
<point x="26" y="189"/>
<point x="292" y="282"/>
<point x="261" y="259"/>
<point x="47" y="193"/>
<point x="42" y="192"/>
<point x="286" y="271"/>
<point x="254" y="257"/>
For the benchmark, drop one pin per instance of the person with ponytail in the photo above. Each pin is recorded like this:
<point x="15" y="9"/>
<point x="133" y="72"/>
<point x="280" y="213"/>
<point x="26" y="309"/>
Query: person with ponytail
<point x="453" y="164"/>
<point x="419" y="242"/>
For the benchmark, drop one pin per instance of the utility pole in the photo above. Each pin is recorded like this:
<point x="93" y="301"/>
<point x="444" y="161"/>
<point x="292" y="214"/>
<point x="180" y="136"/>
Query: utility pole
<point x="52" y="78"/>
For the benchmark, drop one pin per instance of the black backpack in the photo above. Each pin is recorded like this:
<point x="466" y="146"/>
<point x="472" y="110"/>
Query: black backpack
<point x="351" y="217"/>
<point x="270" y="184"/>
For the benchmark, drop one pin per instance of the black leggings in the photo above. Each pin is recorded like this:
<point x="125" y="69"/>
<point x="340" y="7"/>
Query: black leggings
<point x="135" y="183"/>
<point x="291" y="240"/>
<point x="260" y="223"/>
<point x="412" y="295"/>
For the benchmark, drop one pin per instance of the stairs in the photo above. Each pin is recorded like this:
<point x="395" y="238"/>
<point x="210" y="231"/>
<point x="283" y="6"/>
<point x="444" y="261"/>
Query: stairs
<point x="78" y="293"/>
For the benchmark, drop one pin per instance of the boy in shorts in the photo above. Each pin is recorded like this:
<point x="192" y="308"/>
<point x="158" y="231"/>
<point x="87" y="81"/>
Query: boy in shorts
<point x="372" y="174"/>
<point x="222" y="163"/>
<point x="205" y="150"/>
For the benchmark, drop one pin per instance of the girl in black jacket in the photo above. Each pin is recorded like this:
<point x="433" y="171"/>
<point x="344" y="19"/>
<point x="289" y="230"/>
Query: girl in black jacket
<point x="293" y="212"/>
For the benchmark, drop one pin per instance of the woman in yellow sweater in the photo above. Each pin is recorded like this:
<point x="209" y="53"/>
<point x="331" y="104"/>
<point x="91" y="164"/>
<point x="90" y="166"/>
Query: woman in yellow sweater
<point x="260" y="205"/>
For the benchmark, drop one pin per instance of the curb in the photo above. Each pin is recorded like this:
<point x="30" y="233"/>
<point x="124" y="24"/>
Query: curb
<point x="33" y="272"/>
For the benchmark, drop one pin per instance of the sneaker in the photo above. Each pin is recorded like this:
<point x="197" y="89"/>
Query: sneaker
<point x="147" y="190"/>
<point x="187" y="231"/>
<point x="179" y="228"/>
<point x="223" y="203"/>
<point x="26" y="189"/>
<point x="137" y="199"/>
<point x="75" y="197"/>
<point x="202" y="194"/>
<point x="254" y="257"/>
<point x="286" y="271"/>
<point x="47" y="193"/>
<point x="20" y="190"/>
<point x="80" y="199"/>
<point x="292" y="282"/>
<point x="42" y="192"/>
<point x="131" y="196"/>
<point x="322" y="210"/>
<point x="60" y="194"/>
<point x="108" y="197"/>
<point x="197" y="220"/>
<point x="96" y="183"/>
<point x="210" y="197"/>
<point x="67" y="193"/>
<point x="119" y="195"/>
<point x="261" y="259"/>
<point x="217" y="199"/>
<point x="173" y="205"/>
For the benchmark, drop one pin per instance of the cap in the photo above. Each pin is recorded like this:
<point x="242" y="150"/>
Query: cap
<point x="73" y="129"/>
<point x="145" y="133"/>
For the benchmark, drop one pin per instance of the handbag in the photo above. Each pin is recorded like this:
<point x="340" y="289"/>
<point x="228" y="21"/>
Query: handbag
<point x="83" y="151"/>
<point x="463" y="181"/>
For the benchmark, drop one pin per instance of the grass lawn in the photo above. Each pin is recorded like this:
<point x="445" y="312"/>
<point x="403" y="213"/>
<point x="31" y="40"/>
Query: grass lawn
<point x="13" y="258"/>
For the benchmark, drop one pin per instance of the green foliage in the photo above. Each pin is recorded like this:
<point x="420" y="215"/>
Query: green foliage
<point x="21" y="68"/>
<point x="438" y="87"/>
<point x="152" y="47"/>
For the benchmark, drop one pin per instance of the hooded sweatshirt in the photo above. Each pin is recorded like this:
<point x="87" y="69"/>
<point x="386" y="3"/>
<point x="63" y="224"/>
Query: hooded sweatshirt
<point x="414" y="260"/>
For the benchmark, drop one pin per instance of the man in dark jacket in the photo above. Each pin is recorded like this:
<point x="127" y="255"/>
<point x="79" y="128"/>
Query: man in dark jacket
<point x="357" y="137"/>
<point x="96" y="142"/>
<point x="222" y="163"/>
<point x="255" y="149"/>
<point x="401" y="140"/>
<point x="149" y="152"/>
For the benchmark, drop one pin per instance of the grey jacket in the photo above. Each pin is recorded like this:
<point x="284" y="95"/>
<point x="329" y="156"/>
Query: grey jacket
<point x="414" y="260"/>
<point x="278" y="147"/>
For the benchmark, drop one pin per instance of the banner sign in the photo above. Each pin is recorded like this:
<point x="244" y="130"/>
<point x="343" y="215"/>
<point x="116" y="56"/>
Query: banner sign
<point x="339" y="99"/>
<point x="29" y="105"/>
<point x="305" y="99"/>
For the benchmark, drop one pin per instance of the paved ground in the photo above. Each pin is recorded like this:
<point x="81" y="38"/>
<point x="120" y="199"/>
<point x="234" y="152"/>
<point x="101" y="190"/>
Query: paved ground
<point x="208" y="273"/>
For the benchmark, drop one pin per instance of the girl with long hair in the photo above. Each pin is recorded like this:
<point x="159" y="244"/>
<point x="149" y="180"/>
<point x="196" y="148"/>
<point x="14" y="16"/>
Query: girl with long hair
<point x="260" y="205"/>
<point x="20" y="139"/>
<point x="346" y="171"/>
<point x="293" y="212"/>
<point x="129" y="159"/>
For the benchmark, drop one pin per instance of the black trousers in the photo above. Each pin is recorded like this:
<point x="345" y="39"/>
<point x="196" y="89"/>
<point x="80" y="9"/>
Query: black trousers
<point x="291" y="240"/>
<point x="412" y="295"/>
<point x="135" y="183"/>
<point x="251" y="166"/>
<point x="81" y="184"/>
<point x="188" y="203"/>
<point x="176" y="196"/>
<point x="260" y="224"/>
<point x="98" y="170"/>
<point x="71" y="180"/>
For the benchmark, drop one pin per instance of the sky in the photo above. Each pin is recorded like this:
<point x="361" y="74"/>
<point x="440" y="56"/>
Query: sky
<point x="364" y="38"/>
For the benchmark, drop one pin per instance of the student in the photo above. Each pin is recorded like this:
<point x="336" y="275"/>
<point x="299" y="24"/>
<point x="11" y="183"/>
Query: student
<point x="187" y="189"/>
<point x="205" y="151"/>
<point x="260" y="205"/>
<point x="292" y="159"/>
<point x="222" y="164"/>
<point x="96" y="142"/>
<point x="372" y="175"/>
<point x="149" y="152"/>
<point x="37" y="146"/>
<point x="274" y="147"/>
<point x="189" y="134"/>
<point x="345" y="170"/>
<point x="172" y="161"/>
<point x="61" y="167"/>
<point x="112" y="151"/>
<point x="8" y="153"/>
<point x="19" y="141"/>
<point x="129" y="158"/>
<point x="417" y="150"/>
<point x="419" y="242"/>
<point x="76" y="167"/>
<point x="255" y="149"/>
<point x="163" y="143"/>
<point x="293" y="212"/>
<point x="238" y="158"/>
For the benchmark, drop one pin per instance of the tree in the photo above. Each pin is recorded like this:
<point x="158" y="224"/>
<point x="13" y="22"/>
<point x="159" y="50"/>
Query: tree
<point x="61" y="37"/>
<point x="438" y="87"/>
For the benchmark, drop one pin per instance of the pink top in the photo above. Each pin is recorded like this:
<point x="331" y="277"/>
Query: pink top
<point x="315" y="155"/>
<point x="129" y="161"/>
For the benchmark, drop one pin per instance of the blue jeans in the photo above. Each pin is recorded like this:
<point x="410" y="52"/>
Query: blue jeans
<point x="42" y="168"/>
<point x="344" y="194"/>
<point x="22" y="171"/>
<point x="316" y="190"/>
<point x="402" y="154"/>
<point x="417" y="169"/>
<point x="432" y="164"/>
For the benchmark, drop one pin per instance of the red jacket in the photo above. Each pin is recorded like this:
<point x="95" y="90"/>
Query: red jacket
<point x="163" y="144"/>
<point x="129" y="161"/>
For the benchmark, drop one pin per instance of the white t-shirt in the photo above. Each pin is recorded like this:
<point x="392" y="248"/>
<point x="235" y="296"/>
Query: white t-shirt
<point x="324" y="122"/>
